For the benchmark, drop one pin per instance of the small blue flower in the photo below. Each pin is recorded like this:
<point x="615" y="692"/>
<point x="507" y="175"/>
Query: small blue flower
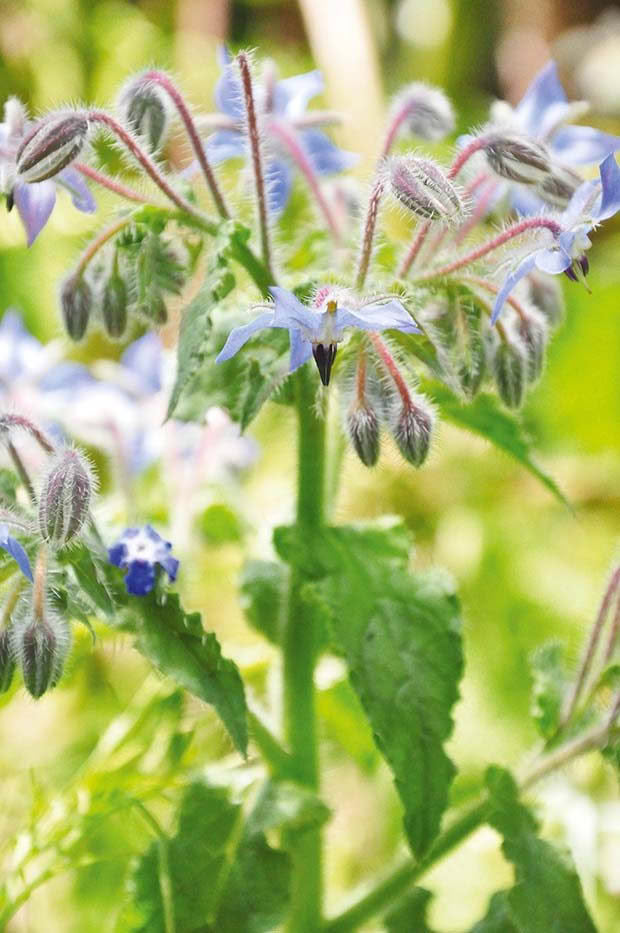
<point x="35" y="201"/>
<point x="14" y="548"/>
<point x="588" y="207"/>
<point x="140" y="550"/>
<point x="318" y="331"/>
<point x="283" y="104"/>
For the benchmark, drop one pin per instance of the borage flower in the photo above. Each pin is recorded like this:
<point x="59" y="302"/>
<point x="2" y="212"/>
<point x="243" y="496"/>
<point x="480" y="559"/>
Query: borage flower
<point x="592" y="203"/>
<point x="317" y="331"/>
<point x="14" y="548"/>
<point x="140" y="550"/>
<point x="34" y="200"/>
<point x="288" y="127"/>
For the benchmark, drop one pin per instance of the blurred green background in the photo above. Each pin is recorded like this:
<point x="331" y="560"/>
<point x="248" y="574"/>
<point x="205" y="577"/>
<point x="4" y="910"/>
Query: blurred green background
<point x="527" y="569"/>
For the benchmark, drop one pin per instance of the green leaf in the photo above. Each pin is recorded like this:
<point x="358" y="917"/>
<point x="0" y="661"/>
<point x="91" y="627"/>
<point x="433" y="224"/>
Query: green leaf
<point x="409" y="915"/>
<point x="547" y="895"/>
<point x="287" y="805"/>
<point x="344" y="722"/>
<point x="485" y="416"/>
<point x="550" y="679"/>
<point x="176" y="643"/>
<point x="263" y="586"/>
<point x="219" y="524"/>
<point x="400" y="633"/>
<point x="498" y="917"/>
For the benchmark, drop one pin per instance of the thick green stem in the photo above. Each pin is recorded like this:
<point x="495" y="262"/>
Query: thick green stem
<point x="299" y="652"/>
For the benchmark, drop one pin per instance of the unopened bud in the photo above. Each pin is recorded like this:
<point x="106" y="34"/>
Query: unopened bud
<point x="558" y="187"/>
<point x="424" y="189"/>
<point x="412" y="431"/>
<point x="65" y="497"/>
<point x="363" y="427"/>
<point x="546" y="293"/>
<point x="510" y="372"/>
<point x="145" y="109"/>
<point x="533" y="333"/>
<point x="76" y="303"/>
<point x="114" y="306"/>
<point x="50" y="146"/>
<point x="518" y="158"/>
<point x="429" y="113"/>
<point x="41" y="642"/>
<point x="7" y="660"/>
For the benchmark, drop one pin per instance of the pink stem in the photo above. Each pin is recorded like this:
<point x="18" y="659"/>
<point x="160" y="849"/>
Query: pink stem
<point x="465" y="154"/>
<point x="158" y="77"/>
<point x="93" y="248"/>
<point x="395" y="125"/>
<point x="392" y="368"/>
<point x="414" y="249"/>
<point x="480" y="210"/>
<point x="106" y="182"/>
<point x="305" y="167"/>
<point x="369" y="231"/>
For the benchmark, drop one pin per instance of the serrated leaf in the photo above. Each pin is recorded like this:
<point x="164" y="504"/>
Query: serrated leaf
<point x="549" y="681"/>
<point x="400" y="635"/>
<point x="177" y="644"/>
<point x="547" y="895"/>
<point x="262" y="587"/>
<point x="485" y="416"/>
<point x="409" y="915"/>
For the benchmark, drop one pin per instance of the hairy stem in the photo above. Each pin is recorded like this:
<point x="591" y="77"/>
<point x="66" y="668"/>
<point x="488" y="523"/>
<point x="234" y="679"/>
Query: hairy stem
<point x="370" y="226"/>
<point x="110" y="183"/>
<point x="100" y="240"/>
<point x="158" y="77"/>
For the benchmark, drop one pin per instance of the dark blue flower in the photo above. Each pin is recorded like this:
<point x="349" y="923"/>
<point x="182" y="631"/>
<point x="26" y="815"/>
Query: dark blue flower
<point x="283" y="105"/>
<point x="14" y="548"/>
<point x="593" y="202"/>
<point x="140" y="550"/>
<point x="317" y="331"/>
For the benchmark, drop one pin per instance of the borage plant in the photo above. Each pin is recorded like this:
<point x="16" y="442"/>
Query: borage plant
<point x="370" y="341"/>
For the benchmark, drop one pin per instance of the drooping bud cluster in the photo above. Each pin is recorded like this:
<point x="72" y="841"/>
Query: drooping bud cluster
<point x="510" y="371"/>
<point x="65" y="497"/>
<point x="425" y="189"/>
<point x="50" y="146"/>
<point x="144" y="108"/>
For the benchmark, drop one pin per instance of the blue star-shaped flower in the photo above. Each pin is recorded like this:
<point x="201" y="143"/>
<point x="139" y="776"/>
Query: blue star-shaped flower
<point x="592" y="203"/>
<point x="283" y="105"/>
<point x="34" y="201"/>
<point x="140" y="550"/>
<point x="14" y="548"/>
<point x="318" y="331"/>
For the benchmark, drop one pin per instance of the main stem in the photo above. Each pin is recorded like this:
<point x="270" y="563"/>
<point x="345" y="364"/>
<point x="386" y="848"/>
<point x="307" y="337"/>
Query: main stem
<point x="299" y="656"/>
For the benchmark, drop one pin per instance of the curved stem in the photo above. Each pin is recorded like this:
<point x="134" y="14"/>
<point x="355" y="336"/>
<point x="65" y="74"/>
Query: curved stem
<point x="369" y="231"/>
<point x="158" y="77"/>
<point x="397" y="121"/>
<point x="304" y="165"/>
<point x="414" y="250"/>
<point x="93" y="248"/>
<point x="465" y="154"/>
<point x="299" y="657"/>
<point x="110" y="183"/>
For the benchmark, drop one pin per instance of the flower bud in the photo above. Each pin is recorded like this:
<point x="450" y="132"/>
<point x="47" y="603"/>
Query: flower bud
<point x="7" y="660"/>
<point x="412" y="431"/>
<point x="533" y="333"/>
<point x="424" y="189"/>
<point x="518" y="158"/>
<point x="546" y="293"/>
<point x="510" y="372"/>
<point x="76" y="303"/>
<point x="41" y="642"/>
<point x="145" y="109"/>
<point x="50" y="146"/>
<point x="558" y="187"/>
<point x="65" y="497"/>
<point x="363" y="427"/>
<point x="429" y="113"/>
<point x="114" y="306"/>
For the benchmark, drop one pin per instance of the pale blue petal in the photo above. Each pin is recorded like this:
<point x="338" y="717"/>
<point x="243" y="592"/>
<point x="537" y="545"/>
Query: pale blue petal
<point x="511" y="280"/>
<point x="291" y="96"/>
<point x="555" y="261"/>
<point x="16" y="551"/>
<point x="228" y="91"/>
<point x="279" y="180"/>
<point x="373" y="322"/>
<point x="388" y="314"/>
<point x="610" y="181"/>
<point x="576" y="206"/>
<point x="225" y="144"/>
<point x="240" y="335"/>
<point x="80" y="193"/>
<point x="325" y="156"/>
<point x="35" y="203"/>
<point x="301" y="349"/>
<point x="290" y="311"/>
<point x="544" y="92"/>
<point x="524" y="201"/>
<point x="583" y="145"/>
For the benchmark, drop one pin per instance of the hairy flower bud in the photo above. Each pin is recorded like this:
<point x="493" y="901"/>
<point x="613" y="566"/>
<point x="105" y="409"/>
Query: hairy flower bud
<point x="65" y="497"/>
<point x="144" y="107"/>
<point x="518" y="158"/>
<point x="363" y="428"/>
<point x="7" y="660"/>
<point x="558" y="187"/>
<point x="546" y="293"/>
<point x="114" y="306"/>
<point x="412" y="430"/>
<point x="50" y="146"/>
<point x="41" y="642"/>
<point x="425" y="111"/>
<point x="424" y="189"/>
<point x="533" y="333"/>
<point x="76" y="303"/>
<point x="510" y="372"/>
